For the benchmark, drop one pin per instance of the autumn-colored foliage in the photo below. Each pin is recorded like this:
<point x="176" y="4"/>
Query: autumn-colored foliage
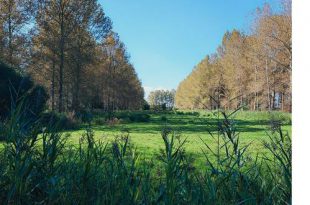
<point x="250" y="70"/>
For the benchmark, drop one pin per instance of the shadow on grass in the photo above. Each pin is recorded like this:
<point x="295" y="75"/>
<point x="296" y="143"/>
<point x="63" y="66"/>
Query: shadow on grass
<point x="185" y="124"/>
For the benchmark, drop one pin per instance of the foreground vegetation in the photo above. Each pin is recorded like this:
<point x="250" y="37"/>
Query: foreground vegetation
<point x="41" y="165"/>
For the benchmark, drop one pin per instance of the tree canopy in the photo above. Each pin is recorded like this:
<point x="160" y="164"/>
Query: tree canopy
<point x="249" y="70"/>
<point x="162" y="99"/>
<point x="69" y="47"/>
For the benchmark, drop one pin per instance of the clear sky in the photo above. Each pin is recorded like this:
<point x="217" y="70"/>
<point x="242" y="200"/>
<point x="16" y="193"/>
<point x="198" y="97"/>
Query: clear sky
<point x="167" y="38"/>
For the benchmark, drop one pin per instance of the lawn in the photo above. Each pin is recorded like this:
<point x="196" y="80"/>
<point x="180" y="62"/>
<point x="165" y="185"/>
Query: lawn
<point x="254" y="128"/>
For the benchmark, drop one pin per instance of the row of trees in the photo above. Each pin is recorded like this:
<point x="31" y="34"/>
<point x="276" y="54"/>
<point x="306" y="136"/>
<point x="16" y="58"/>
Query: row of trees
<point x="162" y="99"/>
<point x="69" y="47"/>
<point x="251" y="70"/>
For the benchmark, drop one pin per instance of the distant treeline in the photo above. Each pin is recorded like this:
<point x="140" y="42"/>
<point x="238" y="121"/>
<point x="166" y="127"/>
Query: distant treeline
<point x="68" y="46"/>
<point x="161" y="99"/>
<point x="251" y="70"/>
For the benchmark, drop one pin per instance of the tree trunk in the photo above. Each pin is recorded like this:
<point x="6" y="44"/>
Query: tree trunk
<point x="60" y="105"/>
<point x="10" y="35"/>
<point x="282" y="101"/>
<point x="273" y="99"/>
<point x="61" y="66"/>
<point x="76" y="87"/>
<point x="256" y="92"/>
<point x="53" y="86"/>
<point x="268" y="86"/>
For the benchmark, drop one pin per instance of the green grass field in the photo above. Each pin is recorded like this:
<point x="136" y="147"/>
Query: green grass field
<point x="38" y="164"/>
<point x="253" y="127"/>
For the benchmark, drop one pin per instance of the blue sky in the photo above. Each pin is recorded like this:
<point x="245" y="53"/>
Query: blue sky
<point x="167" y="38"/>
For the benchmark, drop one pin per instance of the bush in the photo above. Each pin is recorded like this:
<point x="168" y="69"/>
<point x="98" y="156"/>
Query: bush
<point x="164" y="106"/>
<point x="194" y="113"/>
<point x="84" y="115"/>
<point x="163" y="118"/>
<point x="124" y="116"/>
<point x="180" y="113"/>
<point x="59" y="121"/>
<point x="99" y="121"/>
<point x="146" y="105"/>
<point x="113" y="122"/>
<point x="15" y="88"/>
<point x="139" y="117"/>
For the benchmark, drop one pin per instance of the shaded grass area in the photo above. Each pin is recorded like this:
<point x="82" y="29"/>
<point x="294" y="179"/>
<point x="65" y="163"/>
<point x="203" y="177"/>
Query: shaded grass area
<point x="194" y="126"/>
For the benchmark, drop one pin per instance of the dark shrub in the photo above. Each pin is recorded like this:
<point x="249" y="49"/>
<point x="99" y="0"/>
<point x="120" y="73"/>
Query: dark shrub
<point x="122" y="115"/>
<point x="146" y="105"/>
<point x="15" y="88"/>
<point x="59" y="121"/>
<point x="2" y="131"/>
<point x="139" y="117"/>
<point x="49" y="118"/>
<point x="99" y="121"/>
<point x="163" y="118"/>
<point x="193" y="113"/>
<point x="164" y="106"/>
<point x="180" y="113"/>
<point x="36" y="100"/>
<point x="84" y="116"/>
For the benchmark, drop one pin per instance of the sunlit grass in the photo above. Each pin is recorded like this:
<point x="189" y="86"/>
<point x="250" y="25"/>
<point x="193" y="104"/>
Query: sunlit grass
<point x="192" y="125"/>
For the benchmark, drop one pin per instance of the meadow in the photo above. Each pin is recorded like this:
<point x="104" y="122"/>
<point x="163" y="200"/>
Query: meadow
<point x="195" y="127"/>
<point x="148" y="157"/>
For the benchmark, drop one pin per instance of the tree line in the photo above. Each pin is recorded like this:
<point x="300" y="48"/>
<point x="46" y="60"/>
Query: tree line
<point x="162" y="99"/>
<point x="250" y="70"/>
<point x="69" y="47"/>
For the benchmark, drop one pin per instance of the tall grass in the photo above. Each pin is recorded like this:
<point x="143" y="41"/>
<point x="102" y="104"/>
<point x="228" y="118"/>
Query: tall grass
<point x="38" y="167"/>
